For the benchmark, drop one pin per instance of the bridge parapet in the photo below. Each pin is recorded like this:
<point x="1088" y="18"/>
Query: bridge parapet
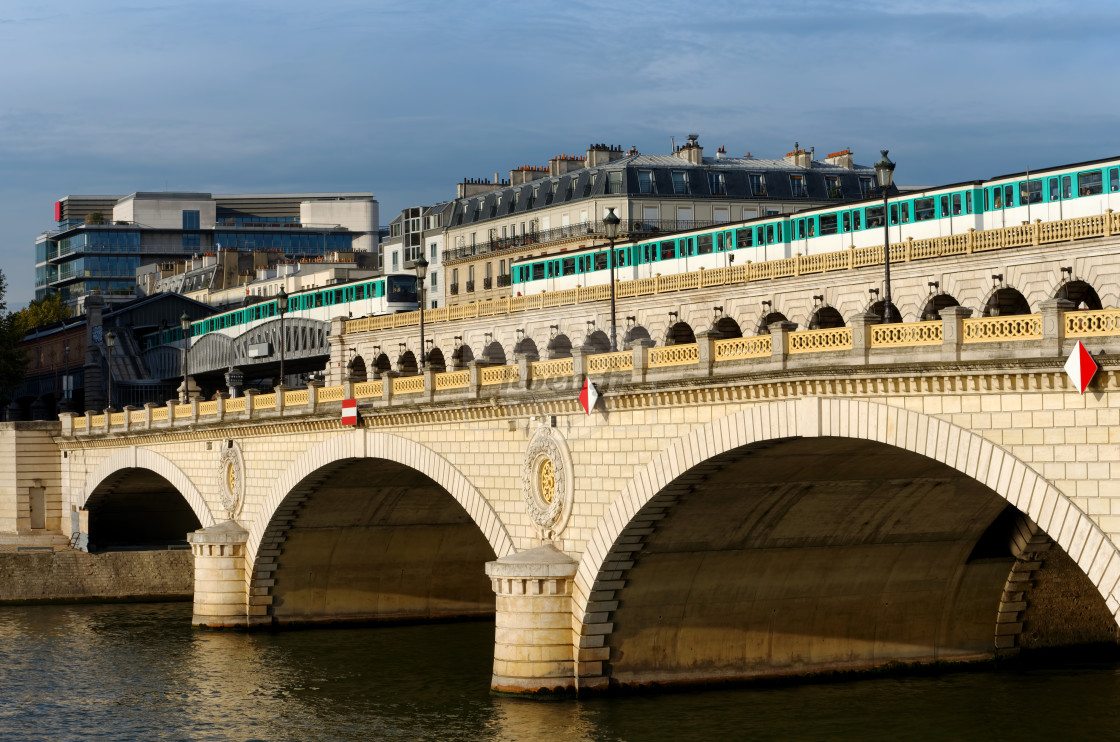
<point x="955" y="338"/>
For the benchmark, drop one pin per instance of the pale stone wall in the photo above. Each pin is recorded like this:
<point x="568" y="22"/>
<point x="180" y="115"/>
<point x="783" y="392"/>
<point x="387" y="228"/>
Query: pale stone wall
<point x="29" y="458"/>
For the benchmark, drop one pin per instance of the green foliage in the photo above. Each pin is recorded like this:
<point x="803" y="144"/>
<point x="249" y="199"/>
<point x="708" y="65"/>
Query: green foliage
<point x="13" y="363"/>
<point x="95" y="217"/>
<point x="43" y="312"/>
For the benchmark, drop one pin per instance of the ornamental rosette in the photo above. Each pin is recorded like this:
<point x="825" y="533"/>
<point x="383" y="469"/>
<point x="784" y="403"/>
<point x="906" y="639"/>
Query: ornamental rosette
<point x="546" y="481"/>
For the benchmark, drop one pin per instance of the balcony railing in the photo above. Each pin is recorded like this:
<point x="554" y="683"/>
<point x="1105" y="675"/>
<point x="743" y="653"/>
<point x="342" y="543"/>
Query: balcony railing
<point x="505" y="279"/>
<point x="487" y="283"/>
<point x="470" y="286"/>
<point x="454" y="288"/>
<point x="627" y="228"/>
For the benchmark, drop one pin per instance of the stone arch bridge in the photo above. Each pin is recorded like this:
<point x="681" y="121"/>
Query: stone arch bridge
<point x="787" y="504"/>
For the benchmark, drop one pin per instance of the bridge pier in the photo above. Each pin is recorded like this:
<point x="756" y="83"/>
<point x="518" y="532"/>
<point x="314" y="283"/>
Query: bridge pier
<point x="219" y="576"/>
<point x="533" y="650"/>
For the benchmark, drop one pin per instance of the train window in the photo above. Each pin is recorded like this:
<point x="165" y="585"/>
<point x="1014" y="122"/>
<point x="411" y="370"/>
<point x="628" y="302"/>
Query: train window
<point x="997" y="198"/>
<point x="1067" y="186"/>
<point x="600" y="261"/>
<point x="905" y="213"/>
<point x="730" y="241"/>
<point x="538" y="271"/>
<point x="1055" y="192"/>
<point x="1114" y="180"/>
<point x="1090" y="184"/>
<point x="894" y="213"/>
<point x="769" y="234"/>
<point x="649" y="252"/>
<point x="828" y="224"/>
<point x="847" y="221"/>
<point x="956" y="209"/>
<point x="691" y="249"/>
<point x="874" y="216"/>
<point x="968" y="202"/>
<point x="704" y="244"/>
<point x="1009" y="196"/>
<point x="923" y="209"/>
<point x="778" y="229"/>
<point x="1030" y="192"/>
<point x="812" y="227"/>
<point x="855" y="220"/>
<point x="568" y="266"/>
<point x="944" y="206"/>
<point x="800" y="231"/>
<point x="744" y="237"/>
<point x="668" y="250"/>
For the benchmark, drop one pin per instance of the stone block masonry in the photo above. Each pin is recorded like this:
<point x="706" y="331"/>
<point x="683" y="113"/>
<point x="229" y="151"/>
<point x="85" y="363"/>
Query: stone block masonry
<point x="75" y="576"/>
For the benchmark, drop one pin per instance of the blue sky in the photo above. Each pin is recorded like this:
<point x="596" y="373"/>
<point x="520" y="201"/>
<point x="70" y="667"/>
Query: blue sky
<point x="406" y="99"/>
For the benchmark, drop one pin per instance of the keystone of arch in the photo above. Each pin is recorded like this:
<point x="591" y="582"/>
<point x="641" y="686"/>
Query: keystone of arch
<point x="961" y="449"/>
<point x="142" y="458"/>
<point x="368" y="444"/>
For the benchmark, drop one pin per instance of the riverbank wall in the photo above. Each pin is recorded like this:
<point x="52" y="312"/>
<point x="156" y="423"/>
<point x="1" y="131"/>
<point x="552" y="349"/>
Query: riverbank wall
<point x="72" y="576"/>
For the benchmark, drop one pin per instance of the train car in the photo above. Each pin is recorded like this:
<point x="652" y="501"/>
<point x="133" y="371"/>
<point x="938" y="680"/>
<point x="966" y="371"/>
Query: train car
<point x="383" y="295"/>
<point x="1052" y="194"/>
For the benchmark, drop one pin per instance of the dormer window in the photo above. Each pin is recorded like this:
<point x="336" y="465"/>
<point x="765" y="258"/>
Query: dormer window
<point x="645" y="181"/>
<point x="797" y="186"/>
<point x="832" y="185"/>
<point x="758" y="184"/>
<point x="614" y="182"/>
<point x="680" y="182"/>
<point x="716" y="184"/>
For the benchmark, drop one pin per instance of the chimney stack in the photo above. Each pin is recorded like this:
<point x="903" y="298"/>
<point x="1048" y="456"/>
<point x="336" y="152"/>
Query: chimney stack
<point x="843" y="158"/>
<point x="691" y="150"/>
<point x="561" y="164"/>
<point x="526" y="173"/>
<point x="799" y="157"/>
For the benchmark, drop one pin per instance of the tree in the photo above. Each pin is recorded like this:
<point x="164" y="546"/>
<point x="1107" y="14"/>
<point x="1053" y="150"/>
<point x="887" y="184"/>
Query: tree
<point x="13" y="363"/>
<point x="46" y="311"/>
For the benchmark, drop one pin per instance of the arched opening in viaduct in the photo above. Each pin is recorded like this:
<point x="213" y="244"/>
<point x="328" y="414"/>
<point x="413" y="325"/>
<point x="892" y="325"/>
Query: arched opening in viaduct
<point x="1005" y="302"/>
<point x="597" y="342"/>
<point x="726" y="327"/>
<point x="136" y="508"/>
<point x="633" y="335"/>
<point x="936" y="302"/>
<point x="382" y="364"/>
<point x="371" y="539"/>
<point x="877" y="308"/>
<point x="826" y="318"/>
<point x="462" y="356"/>
<point x="1080" y="292"/>
<point x="436" y="361"/>
<point x="494" y="354"/>
<point x="680" y="334"/>
<point x="527" y="347"/>
<point x="769" y="319"/>
<point x="560" y="346"/>
<point x="406" y="364"/>
<point x="795" y="556"/>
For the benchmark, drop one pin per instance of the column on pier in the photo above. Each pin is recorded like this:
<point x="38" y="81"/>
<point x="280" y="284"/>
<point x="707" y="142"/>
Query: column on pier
<point x="533" y="649"/>
<point x="219" y="575"/>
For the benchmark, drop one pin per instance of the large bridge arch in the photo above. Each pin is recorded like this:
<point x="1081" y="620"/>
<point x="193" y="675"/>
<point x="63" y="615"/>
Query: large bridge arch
<point x="135" y="457"/>
<point x="371" y="526"/>
<point x="602" y="578"/>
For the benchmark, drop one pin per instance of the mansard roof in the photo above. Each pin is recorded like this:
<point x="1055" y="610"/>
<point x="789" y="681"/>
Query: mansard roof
<point x="585" y="184"/>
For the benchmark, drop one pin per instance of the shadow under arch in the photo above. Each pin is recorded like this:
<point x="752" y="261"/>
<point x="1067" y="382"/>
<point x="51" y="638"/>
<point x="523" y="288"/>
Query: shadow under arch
<point x="374" y="527"/>
<point x="142" y="458"/>
<point x="804" y="426"/>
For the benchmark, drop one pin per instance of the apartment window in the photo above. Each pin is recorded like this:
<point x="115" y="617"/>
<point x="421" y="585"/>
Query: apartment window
<point x="797" y="186"/>
<point x="454" y="276"/>
<point x="716" y="184"/>
<point x="474" y="236"/>
<point x="614" y="182"/>
<point x="645" y="181"/>
<point x="190" y="219"/>
<point x="470" y="274"/>
<point x="832" y="185"/>
<point x="583" y="216"/>
<point x="396" y="259"/>
<point x="680" y="182"/>
<point x="551" y="192"/>
<point x="865" y="186"/>
<point x="758" y="184"/>
<point x="533" y="198"/>
<point x="435" y="279"/>
<point x="502" y="267"/>
<point x="395" y="230"/>
<point x="433" y="253"/>
<point x="505" y="233"/>
<point x="588" y="183"/>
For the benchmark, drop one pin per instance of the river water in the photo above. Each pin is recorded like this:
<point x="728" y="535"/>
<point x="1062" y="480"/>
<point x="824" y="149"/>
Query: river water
<point x="141" y="672"/>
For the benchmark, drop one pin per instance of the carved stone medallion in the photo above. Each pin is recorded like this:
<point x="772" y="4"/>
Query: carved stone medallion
<point x="546" y="480"/>
<point x="231" y="480"/>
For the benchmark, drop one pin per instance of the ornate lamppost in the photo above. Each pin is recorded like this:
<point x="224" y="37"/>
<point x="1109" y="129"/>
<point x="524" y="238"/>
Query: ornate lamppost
<point x="185" y="325"/>
<point x="421" y="266"/>
<point x="282" y="308"/>
<point x="610" y="224"/>
<point x="884" y="170"/>
<point x="110" y="341"/>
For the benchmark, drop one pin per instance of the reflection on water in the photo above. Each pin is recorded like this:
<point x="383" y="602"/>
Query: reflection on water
<point x="141" y="672"/>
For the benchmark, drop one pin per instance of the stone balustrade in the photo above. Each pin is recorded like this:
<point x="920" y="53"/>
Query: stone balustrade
<point x="955" y="338"/>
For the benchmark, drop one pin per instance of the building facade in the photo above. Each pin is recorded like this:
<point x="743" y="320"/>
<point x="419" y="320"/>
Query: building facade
<point x="99" y="242"/>
<point x="540" y="210"/>
<point x="419" y="231"/>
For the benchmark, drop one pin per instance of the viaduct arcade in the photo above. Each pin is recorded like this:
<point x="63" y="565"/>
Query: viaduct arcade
<point x="738" y="505"/>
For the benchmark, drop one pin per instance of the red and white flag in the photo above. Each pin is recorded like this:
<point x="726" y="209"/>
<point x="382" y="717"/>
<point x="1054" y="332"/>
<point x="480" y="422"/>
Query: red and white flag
<point x="349" y="412"/>
<point x="588" y="396"/>
<point x="1081" y="367"/>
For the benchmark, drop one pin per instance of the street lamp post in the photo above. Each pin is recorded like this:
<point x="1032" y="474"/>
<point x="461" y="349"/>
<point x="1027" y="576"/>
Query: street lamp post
<point x="610" y="224"/>
<point x="185" y="325"/>
<point x="421" y="266"/>
<point x="884" y="170"/>
<point x="110" y="341"/>
<point x="282" y="307"/>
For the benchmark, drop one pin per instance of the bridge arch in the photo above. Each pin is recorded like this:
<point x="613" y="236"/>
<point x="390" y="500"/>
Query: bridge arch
<point x="142" y="458"/>
<point x="369" y="444"/>
<point x="370" y="526"/>
<point x="680" y="466"/>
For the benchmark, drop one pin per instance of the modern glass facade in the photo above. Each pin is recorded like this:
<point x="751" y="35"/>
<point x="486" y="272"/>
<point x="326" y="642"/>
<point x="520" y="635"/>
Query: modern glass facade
<point x="296" y="242"/>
